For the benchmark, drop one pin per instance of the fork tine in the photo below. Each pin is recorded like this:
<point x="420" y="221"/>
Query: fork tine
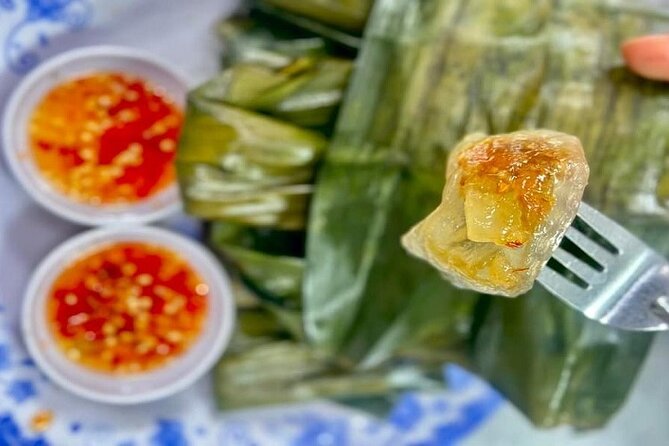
<point x="614" y="233"/>
<point x="590" y="247"/>
<point x="630" y="293"/>
<point x="586" y="272"/>
<point x="592" y="216"/>
<point x="559" y="285"/>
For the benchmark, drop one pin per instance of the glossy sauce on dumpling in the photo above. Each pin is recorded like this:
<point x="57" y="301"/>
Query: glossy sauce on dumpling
<point x="507" y="185"/>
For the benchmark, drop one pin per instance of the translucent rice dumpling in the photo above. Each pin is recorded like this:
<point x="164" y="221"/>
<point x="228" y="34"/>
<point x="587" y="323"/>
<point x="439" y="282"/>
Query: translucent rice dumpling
<point x="507" y="202"/>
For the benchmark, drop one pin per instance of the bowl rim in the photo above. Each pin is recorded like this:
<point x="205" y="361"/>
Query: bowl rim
<point x="10" y="122"/>
<point x="88" y="240"/>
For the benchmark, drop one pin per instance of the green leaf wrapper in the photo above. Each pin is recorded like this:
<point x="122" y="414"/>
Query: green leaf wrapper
<point x="267" y="358"/>
<point x="244" y="156"/>
<point x="244" y="167"/>
<point x="347" y="14"/>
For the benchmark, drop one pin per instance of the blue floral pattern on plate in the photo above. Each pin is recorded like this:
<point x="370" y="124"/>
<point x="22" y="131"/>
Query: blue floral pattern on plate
<point x="37" y="21"/>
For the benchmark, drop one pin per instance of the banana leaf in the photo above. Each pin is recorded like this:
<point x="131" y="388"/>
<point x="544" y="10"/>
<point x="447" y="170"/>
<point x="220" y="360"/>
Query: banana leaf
<point x="267" y="357"/>
<point x="339" y="39"/>
<point x="280" y="71"/>
<point x="283" y="372"/>
<point x="244" y="155"/>
<point x="430" y="72"/>
<point x="368" y="193"/>
<point x="245" y="167"/>
<point x="271" y="31"/>
<point x="267" y="266"/>
<point x="252" y="40"/>
<point x="305" y="91"/>
<point x="347" y="14"/>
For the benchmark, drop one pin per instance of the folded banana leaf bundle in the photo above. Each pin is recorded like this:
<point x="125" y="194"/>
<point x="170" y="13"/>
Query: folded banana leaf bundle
<point x="246" y="155"/>
<point x="354" y="310"/>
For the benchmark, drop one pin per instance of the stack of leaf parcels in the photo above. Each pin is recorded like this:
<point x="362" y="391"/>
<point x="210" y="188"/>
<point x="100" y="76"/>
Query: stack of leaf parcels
<point x="309" y="203"/>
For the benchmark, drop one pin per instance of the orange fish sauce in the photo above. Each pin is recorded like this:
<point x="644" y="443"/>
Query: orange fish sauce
<point x="105" y="138"/>
<point x="128" y="307"/>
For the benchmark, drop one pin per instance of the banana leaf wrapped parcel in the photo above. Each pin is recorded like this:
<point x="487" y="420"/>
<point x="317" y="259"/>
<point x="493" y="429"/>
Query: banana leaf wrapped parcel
<point x="245" y="155"/>
<point x="312" y="221"/>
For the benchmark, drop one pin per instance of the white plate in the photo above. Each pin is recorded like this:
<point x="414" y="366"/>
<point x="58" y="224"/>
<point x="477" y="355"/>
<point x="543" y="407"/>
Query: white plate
<point x="142" y="387"/>
<point x="55" y="71"/>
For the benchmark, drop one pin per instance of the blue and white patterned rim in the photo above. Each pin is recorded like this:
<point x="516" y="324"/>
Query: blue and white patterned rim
<point x="37" y="22"/>
<point x="416" y="419"/>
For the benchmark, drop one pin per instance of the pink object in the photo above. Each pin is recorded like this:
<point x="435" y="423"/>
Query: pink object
<point x="648" y="56"/>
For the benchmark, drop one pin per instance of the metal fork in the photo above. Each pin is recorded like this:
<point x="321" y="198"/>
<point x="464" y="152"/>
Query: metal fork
<point x="628" y="287"/>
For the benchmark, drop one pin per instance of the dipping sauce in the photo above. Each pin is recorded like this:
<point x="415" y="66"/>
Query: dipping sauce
<point x="127" y="308"/>
<point x="106" y="138"/>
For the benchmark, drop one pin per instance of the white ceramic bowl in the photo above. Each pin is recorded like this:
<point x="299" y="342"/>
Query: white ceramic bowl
<point x="176" y="374"/>
<point x="55" y="71"/>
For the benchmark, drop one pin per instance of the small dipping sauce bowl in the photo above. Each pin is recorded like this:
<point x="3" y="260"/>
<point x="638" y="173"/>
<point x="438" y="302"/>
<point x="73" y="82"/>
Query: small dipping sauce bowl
<point x="127" y="314"/>
<point x="107" y="168"/>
